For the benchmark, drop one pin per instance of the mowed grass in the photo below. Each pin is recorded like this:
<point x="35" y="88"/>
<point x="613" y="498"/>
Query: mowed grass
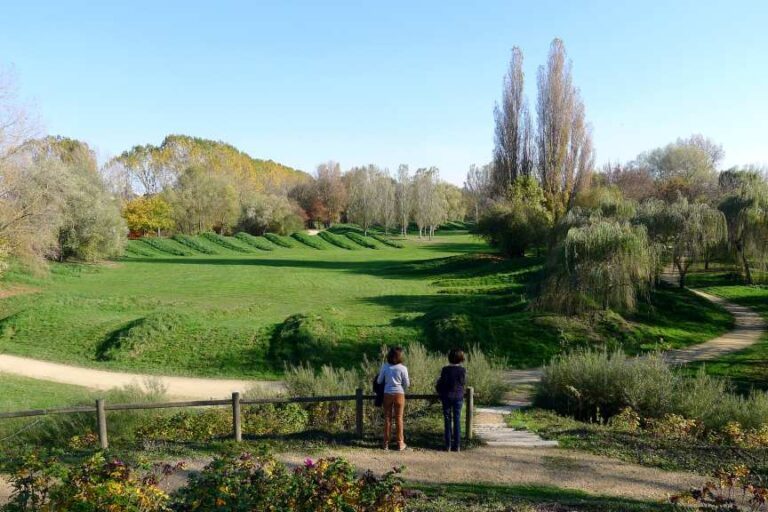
<point x="747" y="368"/>
<point x="215" y="315"/>
<point x="21" y="393"/>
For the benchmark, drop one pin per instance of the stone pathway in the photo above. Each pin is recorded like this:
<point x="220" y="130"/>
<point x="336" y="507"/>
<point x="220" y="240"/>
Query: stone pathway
<point x="492" y="430"/>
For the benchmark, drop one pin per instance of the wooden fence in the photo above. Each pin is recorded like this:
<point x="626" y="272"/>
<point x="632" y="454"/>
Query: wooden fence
<point x="101" y="407"/>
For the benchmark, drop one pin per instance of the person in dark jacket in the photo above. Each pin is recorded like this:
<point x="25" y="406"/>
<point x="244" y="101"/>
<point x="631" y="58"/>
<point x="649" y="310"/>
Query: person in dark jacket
<point x="450" y="388"/>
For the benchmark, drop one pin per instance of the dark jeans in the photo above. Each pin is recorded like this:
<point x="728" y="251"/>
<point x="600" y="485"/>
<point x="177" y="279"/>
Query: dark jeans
<point x="452" y="418"/>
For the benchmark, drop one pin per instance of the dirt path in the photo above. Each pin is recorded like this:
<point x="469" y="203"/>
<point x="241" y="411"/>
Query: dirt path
<point x="177" y="387"/>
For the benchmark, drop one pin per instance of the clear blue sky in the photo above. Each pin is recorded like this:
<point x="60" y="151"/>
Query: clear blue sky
<point x="386" y="82"/>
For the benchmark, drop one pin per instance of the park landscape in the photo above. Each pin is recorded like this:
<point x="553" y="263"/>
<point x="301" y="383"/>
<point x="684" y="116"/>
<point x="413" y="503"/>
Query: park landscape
<point x="614" y="317"/>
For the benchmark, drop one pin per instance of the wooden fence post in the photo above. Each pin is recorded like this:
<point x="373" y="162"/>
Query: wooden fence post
<point x="101" y="420"/>
<point x="359" y="412"/>
<point x="470" y="413"/>
<point x="237" y="426"/>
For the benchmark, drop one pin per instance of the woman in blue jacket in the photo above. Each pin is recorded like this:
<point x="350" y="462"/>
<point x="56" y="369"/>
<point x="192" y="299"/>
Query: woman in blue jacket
<point x="450" y="388"/>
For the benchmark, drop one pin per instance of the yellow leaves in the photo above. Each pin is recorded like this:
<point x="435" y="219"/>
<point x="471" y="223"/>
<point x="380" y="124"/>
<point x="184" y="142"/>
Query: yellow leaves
<point x="148" y="213"/>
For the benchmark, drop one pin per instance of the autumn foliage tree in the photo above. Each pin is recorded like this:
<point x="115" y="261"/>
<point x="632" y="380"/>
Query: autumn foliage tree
<point x="148" y="214"/>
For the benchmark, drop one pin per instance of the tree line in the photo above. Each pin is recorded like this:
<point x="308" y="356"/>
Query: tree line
<point x="609" y="233"/>
<point x="56" y="202"/>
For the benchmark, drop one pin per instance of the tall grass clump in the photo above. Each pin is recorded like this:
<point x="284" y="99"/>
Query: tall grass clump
<point x="310" y="241"/>
<point x="255" y="241"/>
<point x="361" y="240"/>
<point x="194" y="244"/>
<point x="596" y="385"/>
<point x="166" y="246"/>
<point x="338" y="240"/>
<point x="225" y="242"/>
<point x="59" y="430"/>
<point x="281" y="241"/>
<point x="387" y="241"/>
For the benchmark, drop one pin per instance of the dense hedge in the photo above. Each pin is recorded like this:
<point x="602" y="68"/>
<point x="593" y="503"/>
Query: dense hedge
<point x="338" y="240"/>
<point x="255" y="241"/>
<point x="282" y="241"/>
<point x="194" y="244"/>
<point x="361" y="240"/>
<point x="166" y="246"/>
<point x="309" y="240"/>
<point x="387" y="241"/>
<point x="224" y="242"/>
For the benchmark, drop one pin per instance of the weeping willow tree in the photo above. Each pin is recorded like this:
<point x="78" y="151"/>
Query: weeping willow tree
<point x="685" y="232"/>
<point x="746" y="211"/>
<point x="601" y="264"/>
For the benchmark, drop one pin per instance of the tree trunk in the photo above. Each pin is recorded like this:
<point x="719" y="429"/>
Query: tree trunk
<point x="745" y="265"/>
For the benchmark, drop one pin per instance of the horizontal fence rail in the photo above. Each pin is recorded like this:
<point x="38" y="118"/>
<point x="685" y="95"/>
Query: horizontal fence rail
<point x="101" y="408"/>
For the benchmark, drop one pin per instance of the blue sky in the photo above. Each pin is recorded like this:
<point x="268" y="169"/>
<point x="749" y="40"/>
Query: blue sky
<point x="386" y="82"/>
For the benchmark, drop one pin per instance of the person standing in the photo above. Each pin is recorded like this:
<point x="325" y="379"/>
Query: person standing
<point x="394" y="376"/>
<point x="450" y="388"/>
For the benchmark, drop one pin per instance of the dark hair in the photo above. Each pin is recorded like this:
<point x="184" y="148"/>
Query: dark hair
<point x="456" y="356"/>
<point x="395" y="355"/>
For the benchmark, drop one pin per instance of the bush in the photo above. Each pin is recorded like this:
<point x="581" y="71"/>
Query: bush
<point x="361" y="240"/>
<point x="387" y="241"/>
<point x="255" y="241"/>
<point x="338" y="240"/>
<point x="596" y="385"/>
<point x="166" y="246"/>
<point x="310" y="241"/>
<point x="194" y="244"/>
<point x="225" y="242"/>
<point x="305" y="338"/>
<point x="43" y="483"/>
<point x="282" y="241"/>
<point x="259" y="482"/>
<point x="216" y="423"/>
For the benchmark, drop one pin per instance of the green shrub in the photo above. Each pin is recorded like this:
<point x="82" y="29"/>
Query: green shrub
<point x="259" y="482"/>
<point x="96" y="485"/>
<point x="255" y="241"/>
<point x="225" y="242"/>
<point x="282" y="241"/>
<point x="216" y="423"/>
<point x="166" y="246"/>
<point x="596" y="385"/>
<point x="338" y="240"/>
<point x="387" y="241"/>
<point x="310" y="241"/>
<point x="305" y="338"/>
<point x="361" y="240"/>
<point x="193" y="244"/>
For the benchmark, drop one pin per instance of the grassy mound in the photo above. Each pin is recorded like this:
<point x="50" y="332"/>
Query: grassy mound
<point x="343" y="229"/>
<point x="337" y="240"/>
<point x="194" y="244"/>
<point x="387" y="241"/>
<point x="281" y="241"/>
<point x="310" y="241"/>
<point x="255" y="241"/>
<point x="135" y="337"/>
<point x="167" y="246"/>
<point x="137" y="248"/>
<point x="226" y="242"/>
<point x="361" y="240"/>
<point x="304" y="339"/>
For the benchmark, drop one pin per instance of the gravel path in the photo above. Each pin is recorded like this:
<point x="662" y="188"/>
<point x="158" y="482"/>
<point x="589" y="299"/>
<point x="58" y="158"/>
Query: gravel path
<point x="176" y="387"/>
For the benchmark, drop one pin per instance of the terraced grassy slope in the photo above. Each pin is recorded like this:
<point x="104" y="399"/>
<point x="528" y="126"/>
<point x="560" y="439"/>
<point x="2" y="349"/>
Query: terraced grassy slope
<point x="225" y="313"/>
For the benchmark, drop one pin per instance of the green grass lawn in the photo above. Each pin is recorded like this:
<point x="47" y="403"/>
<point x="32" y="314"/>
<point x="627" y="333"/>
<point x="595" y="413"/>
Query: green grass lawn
<point x="215" y="314"/>
<point x="20" y="393"/>
<point x="747" y="368"/>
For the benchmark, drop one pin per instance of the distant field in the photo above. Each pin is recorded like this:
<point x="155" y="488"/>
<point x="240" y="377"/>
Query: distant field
<point x="210" y="306"/>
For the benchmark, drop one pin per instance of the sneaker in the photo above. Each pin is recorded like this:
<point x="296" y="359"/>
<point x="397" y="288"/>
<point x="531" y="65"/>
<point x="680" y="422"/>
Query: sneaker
<point x="403" y="447"/>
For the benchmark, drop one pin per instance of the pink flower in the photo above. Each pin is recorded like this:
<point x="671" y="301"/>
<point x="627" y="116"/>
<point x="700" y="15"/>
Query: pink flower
<point x="309" y="463"/>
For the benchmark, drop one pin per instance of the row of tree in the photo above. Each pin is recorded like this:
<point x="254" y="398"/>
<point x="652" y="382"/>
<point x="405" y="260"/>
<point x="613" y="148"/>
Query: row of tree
<point x="609" y="234"/>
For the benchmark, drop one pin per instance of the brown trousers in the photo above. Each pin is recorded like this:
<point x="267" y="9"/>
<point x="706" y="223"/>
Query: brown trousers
<point x="394" y="406"/>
